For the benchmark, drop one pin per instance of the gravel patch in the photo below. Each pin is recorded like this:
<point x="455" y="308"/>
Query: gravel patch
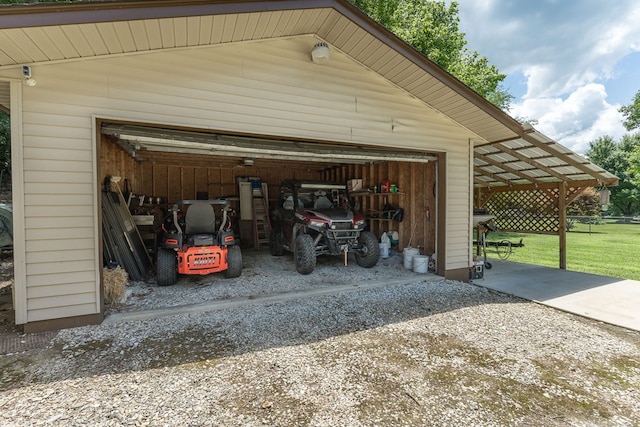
<point x="420" y="351"/>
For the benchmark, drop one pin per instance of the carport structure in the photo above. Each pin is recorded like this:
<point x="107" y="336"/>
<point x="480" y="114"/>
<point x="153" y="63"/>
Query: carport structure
<point x="527" y="183"/>
<point x="176" y="96"/>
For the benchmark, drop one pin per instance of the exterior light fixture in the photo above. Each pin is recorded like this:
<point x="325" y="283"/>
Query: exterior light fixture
<point x="248" y="162"/>
<point x="320" y="53"/>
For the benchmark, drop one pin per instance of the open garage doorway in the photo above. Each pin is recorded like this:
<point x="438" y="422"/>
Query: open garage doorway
<point x="159" y="166"/>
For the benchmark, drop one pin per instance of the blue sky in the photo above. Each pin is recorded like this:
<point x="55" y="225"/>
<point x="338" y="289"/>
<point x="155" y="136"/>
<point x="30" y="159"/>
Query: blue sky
<point x="570" y="63"/>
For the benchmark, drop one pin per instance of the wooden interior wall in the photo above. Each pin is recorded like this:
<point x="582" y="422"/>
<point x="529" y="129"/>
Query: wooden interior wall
<point x="184" y="182"/>
<point x="416" y="195"/>
<point x="175" y="177"/>
<point x="114" y="161"/>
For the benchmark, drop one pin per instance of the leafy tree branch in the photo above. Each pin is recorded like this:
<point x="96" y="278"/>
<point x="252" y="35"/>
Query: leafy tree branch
<point x="431" y="27"/>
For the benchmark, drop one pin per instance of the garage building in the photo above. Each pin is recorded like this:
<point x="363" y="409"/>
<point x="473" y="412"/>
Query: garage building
<point x="185" y="99"/>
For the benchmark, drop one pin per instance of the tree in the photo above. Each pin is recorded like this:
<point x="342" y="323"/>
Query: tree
<point x="631" y="113"/>
<point x="431" y="27"/>
<point x="586" y="204"/>
<point x="634" y="163"/>
<point x="616" y="157"/>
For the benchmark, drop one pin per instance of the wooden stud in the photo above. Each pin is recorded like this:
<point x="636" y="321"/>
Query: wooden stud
<point x="562" y="219"/>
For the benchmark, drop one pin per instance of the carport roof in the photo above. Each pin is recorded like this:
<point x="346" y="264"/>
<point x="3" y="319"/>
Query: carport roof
<point x="534" y="161"/>
<point x="507" y="154"/>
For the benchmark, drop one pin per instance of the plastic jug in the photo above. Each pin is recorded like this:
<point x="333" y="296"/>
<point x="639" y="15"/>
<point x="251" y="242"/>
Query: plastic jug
<point x="385" y="245"/>
<point x="385" y="239"/>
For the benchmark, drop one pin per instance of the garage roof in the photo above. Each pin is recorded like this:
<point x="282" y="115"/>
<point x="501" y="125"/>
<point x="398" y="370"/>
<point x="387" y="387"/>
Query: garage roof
<point x="506" y="154"/>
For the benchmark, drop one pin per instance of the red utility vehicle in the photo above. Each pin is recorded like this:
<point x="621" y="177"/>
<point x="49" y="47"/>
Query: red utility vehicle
<point x="316" y="218"/>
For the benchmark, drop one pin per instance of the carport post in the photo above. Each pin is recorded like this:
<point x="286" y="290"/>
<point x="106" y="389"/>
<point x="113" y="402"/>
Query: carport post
<point x="562" y="223"/>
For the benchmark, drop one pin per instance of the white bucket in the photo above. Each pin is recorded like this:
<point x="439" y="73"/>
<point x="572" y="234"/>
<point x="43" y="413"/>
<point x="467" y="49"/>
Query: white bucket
<point x="408" y="253"/>
<point x="420" y="263"/>
<point x="384" y="250"/>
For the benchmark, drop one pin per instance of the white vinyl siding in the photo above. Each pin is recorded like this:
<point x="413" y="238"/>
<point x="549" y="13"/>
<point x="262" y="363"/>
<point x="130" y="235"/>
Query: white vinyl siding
<point x="458" y="206"/>
<point x="266" y="88"/>
<point x="60" y="233"/>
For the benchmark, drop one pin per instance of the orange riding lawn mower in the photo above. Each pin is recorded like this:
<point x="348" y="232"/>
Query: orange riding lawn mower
<point x="195" y="243"/>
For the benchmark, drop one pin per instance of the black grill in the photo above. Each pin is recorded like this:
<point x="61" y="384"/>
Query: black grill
<point x="342" y="225"/>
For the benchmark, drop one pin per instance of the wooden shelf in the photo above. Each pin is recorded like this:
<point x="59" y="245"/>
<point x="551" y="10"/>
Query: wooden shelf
<point x="368" y="193"/>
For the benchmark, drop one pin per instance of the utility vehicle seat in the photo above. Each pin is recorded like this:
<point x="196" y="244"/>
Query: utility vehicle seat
<point x="200" y="218"/>
<point x="322" y="202"/>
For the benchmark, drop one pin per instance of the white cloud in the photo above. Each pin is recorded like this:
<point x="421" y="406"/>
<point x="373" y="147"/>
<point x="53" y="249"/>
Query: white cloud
<point x="567" y="52"/>
<point x="560" y="45"/>
<point x="582" y="117"/>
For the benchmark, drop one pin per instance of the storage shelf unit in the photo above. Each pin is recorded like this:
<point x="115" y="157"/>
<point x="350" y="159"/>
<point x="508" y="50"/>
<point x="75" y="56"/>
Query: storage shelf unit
<point x="374" y="202"/>
<point x="371" y="194"/>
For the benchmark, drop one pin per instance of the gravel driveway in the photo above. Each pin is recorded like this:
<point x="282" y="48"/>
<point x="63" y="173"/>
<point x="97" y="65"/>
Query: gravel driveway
<point x="362" y="352"/>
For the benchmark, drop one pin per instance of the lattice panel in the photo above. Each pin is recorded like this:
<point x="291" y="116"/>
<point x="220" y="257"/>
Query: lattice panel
<point x="525" y="211"/>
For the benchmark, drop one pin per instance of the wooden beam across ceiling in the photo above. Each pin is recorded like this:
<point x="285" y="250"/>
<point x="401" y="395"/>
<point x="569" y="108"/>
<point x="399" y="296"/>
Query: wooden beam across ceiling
<point x="481" y="182"/>
<point x="503" y="147"/>
<point x="504" y="166"/>
<point x="495" y="177"/>
<point x="564" y="157"/>
<point x="542" y="186"/>
<point x="211" y="160"/>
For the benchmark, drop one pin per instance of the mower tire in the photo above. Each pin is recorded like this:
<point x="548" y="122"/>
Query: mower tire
<point x="167" y="267"/>
<point x="234" y="262"/>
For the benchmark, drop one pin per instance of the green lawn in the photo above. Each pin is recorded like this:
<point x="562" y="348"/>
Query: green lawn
<point x="610" y="249"/>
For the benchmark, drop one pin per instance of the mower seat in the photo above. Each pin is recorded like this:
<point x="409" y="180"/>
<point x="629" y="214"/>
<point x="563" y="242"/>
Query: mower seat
<point x="200" y="219"/>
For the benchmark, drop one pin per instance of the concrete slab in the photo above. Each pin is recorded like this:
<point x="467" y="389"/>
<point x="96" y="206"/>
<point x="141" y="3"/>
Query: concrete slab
<point x="610" y="300"/>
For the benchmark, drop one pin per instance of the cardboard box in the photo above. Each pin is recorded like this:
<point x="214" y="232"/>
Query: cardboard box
<point x="354" y="184"/>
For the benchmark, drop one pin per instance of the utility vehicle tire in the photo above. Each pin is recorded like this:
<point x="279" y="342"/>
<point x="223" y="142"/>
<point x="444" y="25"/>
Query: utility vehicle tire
<point x="304" y="254"/>
<point x="234" y="262"/>
<point x="167" y="267"/>
<point x="369" y="253"/>
<point x="276" y="243"/>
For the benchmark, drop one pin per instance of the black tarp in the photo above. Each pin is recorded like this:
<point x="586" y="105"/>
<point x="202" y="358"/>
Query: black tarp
<point x="121" y="239"/>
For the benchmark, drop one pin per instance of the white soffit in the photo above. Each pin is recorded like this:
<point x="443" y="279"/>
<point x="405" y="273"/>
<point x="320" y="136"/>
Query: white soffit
<point x="75" y="31"/>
